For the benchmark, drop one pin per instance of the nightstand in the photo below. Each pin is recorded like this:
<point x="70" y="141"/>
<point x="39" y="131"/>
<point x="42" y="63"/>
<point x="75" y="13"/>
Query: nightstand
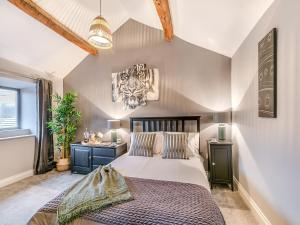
<point x="86" y="158"/>
<point x="220" y="163"/>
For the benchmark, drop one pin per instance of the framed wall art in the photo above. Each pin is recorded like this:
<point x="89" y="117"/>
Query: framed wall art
<point x="135" y="86"/>
<point x="267" y="75"/>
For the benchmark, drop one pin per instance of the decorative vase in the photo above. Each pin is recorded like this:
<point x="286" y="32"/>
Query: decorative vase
<point x="63" y="164"/>
<point x="86" y="135"/>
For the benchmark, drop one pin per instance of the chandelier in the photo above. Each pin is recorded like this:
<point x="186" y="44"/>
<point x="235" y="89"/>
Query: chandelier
<point x="100" y="35"/>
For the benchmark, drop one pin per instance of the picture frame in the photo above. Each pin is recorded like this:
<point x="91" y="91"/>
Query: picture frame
<point x="267" y="75"/>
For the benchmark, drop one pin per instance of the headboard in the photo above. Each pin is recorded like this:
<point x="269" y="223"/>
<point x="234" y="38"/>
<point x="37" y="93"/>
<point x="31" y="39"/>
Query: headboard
<point x="172" y="124"/>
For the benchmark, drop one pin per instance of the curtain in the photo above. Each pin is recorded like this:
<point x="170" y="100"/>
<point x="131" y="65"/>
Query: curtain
<point x="44" y="150"/>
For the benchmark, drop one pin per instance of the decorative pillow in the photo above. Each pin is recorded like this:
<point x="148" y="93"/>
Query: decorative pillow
<point x="193" y="142"/>
<point x="142" y="144"/>
<point x="175" y="146"/>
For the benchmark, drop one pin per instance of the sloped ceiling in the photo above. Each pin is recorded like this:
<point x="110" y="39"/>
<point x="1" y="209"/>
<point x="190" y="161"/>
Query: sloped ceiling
<point x="26" y="41"/>
<point x="218" y="25"/>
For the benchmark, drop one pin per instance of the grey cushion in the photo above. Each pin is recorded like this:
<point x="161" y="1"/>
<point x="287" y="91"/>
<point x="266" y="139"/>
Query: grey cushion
<point x="175" y="146"/>
<point x="142" y="144"/>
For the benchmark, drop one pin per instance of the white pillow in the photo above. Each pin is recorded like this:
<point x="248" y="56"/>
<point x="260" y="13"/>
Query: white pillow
<point x="193" y="144"/>
<point x="158" y="143"/>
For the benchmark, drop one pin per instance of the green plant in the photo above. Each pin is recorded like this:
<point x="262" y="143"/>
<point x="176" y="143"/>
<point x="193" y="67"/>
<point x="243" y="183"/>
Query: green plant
<point x="65" y="121"/>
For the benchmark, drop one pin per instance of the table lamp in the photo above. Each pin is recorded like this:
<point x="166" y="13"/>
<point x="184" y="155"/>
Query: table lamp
<point x="222" y="118"/>
<point x="113" y="125"/>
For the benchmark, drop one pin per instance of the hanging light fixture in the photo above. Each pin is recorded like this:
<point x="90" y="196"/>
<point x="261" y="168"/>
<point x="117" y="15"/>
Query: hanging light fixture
<point x="100" y="35"/>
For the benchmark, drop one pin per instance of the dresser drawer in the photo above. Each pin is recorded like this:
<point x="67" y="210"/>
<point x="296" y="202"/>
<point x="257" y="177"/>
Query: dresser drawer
<point x="85" y="158"/>
<point x="107" y="152"/>
<point x="81" y="159"/>
<point x="97" y="160"/>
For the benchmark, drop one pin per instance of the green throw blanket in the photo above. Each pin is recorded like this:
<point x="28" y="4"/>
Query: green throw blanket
<point x="101" y="188"/>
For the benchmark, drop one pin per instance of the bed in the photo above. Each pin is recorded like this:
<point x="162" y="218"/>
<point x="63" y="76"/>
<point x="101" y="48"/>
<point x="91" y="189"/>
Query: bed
<point x="167" y="191"/>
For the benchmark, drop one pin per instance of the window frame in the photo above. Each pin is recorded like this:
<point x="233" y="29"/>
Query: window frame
<point x="18" y="108"/>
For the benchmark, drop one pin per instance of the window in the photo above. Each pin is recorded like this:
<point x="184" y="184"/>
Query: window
<point x="9" y="108"/>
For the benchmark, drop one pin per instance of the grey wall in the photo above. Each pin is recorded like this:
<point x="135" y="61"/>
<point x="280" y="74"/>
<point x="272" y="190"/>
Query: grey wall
<point x="16" y="161"/>
<point x="16" y="154"/>
<point x="268" y="149"/>
<point x="193" y="80"/>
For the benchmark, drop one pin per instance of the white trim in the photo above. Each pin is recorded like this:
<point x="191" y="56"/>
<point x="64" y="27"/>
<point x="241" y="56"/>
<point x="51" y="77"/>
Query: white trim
<point x="17" y="137"/>
<point x="6" y="133"/>
<point x="251" y="203"/>
<point x="18" y="76"/>
<point x="15" y="178"/>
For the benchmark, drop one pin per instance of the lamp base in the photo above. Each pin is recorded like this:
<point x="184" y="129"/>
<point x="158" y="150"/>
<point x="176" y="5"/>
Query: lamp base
<point x="222" y="132"/>
<point x="114" y="136"/>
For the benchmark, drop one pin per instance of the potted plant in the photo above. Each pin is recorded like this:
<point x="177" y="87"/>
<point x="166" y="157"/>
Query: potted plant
<point x="64" y="124"/>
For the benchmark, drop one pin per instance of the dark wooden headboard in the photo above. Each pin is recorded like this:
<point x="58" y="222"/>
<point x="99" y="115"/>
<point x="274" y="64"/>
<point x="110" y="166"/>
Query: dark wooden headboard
<point x="172" y="124"/>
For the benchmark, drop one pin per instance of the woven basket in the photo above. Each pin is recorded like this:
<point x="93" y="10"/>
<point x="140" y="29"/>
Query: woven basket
<point x="63" y="165"/>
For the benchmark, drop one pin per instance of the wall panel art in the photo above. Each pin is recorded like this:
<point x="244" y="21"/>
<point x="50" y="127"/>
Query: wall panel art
<point x="135" y="86"/>
<point x="267" y="75"/>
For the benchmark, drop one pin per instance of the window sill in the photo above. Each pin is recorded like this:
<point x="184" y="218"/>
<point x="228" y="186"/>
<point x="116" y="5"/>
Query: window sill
<point x="16" y="137"/>
<point x="7" y="134"/>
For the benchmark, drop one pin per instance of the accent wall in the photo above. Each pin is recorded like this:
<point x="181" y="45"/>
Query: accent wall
<point x="193" y="80"/>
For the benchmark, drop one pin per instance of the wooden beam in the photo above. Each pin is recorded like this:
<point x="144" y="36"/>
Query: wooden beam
<point x="32" y="9"/>
<point x="163" y="11"/>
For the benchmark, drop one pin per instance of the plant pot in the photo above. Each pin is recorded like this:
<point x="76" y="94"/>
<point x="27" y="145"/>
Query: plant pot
<point x="63" y="165"/>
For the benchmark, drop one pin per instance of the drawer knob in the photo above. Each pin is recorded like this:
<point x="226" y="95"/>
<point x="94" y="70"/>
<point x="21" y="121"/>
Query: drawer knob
<point x="213" y="164"/>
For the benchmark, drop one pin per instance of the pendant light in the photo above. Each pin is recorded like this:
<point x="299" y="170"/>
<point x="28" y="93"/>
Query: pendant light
<point x="100" y="35"/>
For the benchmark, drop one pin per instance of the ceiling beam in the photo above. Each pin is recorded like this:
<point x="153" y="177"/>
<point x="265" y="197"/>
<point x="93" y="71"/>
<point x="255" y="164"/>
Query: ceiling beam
<point x="163" y="11"/>
<point x="32" y="9"/>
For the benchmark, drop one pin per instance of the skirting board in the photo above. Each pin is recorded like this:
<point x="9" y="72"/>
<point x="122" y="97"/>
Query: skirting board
<point x="251" y="203"/>
<point x="15" y="178"/>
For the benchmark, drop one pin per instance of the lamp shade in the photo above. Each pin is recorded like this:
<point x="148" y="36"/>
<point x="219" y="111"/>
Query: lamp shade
<point x="100" y="35"/>
<point x="113" y="124"/>
<point x="222" y="117"/>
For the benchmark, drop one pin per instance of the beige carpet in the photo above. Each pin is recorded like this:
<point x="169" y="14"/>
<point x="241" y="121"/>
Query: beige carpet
<point x="19" y="201"/>
<point x="233" y="208"/>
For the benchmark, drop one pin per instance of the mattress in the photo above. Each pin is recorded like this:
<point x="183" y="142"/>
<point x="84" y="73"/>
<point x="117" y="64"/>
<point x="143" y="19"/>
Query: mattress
<point x="156" y="168"/>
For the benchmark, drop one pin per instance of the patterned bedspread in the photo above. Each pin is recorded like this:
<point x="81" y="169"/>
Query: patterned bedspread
<point x="155" y="202"/>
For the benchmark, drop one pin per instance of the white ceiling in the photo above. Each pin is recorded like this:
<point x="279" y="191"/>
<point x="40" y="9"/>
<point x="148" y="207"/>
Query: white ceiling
<point x="26" y="41"/>
<point x="218" y="25"/>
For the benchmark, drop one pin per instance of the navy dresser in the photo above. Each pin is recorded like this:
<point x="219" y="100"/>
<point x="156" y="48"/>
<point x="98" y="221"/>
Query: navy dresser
<point x="86" y="158"/>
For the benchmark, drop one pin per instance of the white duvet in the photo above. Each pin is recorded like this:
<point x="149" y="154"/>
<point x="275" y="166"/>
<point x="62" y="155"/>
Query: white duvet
<point x="180" y="170"/>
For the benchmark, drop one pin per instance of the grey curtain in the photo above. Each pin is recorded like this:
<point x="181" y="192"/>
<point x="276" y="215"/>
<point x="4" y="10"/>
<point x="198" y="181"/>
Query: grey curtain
<point x="44" y="150"/>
